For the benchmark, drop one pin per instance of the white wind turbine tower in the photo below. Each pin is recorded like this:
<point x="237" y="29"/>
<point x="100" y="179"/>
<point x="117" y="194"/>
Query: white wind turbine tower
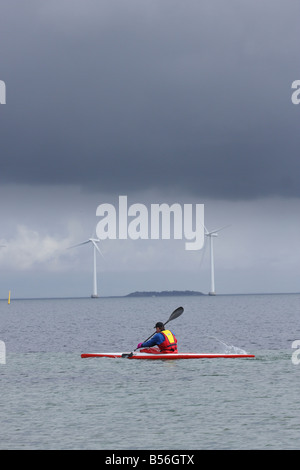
<point x="211" y="235"/>
<point x="94" y="242"/>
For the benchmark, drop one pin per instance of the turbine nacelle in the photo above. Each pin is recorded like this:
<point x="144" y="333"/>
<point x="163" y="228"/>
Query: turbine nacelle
<point x="214" y="233"/>
<point x="94" y="242"/>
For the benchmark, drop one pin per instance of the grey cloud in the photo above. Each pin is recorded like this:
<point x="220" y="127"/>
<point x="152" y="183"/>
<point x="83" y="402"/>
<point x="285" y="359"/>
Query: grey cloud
<point x="116" y="99"/>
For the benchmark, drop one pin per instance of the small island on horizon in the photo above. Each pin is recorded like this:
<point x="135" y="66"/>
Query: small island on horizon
<point x="165" y="293"/>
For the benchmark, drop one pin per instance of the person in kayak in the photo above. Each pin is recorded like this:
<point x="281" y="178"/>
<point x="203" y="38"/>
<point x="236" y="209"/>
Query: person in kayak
<point x="164" y="341"/>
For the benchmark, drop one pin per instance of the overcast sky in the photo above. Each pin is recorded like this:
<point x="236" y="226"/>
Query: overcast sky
<point x="162" y="101"/>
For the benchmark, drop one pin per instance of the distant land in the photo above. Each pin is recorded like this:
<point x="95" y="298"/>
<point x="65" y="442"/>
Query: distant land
<point x="164" y="293"/>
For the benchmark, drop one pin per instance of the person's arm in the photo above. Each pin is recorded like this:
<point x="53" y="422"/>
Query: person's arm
<point x="157" y="339"/>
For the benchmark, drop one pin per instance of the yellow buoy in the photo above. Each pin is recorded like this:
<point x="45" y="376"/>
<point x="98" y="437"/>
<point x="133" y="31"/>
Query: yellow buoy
<point x="8" y="297"/>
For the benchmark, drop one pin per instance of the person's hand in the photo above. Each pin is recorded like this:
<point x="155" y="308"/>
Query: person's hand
<point x="139" y="345"/>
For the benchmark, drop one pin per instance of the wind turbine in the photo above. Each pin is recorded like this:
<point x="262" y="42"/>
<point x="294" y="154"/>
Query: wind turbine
<point x="94" y="242"/>
<point x="211" y="235"/>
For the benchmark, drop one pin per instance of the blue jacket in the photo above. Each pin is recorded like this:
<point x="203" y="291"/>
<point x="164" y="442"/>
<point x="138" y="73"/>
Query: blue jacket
<point x="155" y="341"/>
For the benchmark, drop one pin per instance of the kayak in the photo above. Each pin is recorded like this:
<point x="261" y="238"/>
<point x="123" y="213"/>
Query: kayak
<point x="147" y="356"/>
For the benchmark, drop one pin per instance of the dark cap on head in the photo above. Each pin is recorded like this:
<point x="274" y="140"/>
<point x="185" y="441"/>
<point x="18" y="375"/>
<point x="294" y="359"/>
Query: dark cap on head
<point x="159" y="324"/>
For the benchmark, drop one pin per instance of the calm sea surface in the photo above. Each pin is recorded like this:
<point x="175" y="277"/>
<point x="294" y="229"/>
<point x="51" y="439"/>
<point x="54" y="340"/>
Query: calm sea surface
<point x="50" y="398"/>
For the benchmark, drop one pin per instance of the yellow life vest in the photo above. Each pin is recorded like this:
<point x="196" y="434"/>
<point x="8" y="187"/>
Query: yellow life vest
<point x="170" y="342"/>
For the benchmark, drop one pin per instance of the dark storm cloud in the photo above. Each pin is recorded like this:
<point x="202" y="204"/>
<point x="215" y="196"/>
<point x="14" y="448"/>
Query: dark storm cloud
<point x="114" y="97"/>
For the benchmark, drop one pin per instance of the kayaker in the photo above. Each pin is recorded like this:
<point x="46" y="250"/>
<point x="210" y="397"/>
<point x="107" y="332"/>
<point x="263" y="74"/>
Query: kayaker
<point x="163" y="341"/>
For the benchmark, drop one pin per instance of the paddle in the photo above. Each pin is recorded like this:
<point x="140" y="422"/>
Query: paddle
<point x="173" y="315"/>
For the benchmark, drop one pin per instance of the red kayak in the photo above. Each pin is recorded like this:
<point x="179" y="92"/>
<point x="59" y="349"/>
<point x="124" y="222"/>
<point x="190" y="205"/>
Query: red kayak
<point x="168" y="357"/>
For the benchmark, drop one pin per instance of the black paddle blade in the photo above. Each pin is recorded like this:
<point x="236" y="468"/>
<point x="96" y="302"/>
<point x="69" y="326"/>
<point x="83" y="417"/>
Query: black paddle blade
<point x="127" y="355"/>
<point x="176" y="313"/>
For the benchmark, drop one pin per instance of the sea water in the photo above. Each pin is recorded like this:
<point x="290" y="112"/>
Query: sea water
<point x="50" y="398"/>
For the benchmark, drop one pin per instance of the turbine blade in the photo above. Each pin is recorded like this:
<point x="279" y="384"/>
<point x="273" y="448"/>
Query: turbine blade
<point x="79" y="244"/>
<point x="218" y="229"/>
<point x="94" y="242"/>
